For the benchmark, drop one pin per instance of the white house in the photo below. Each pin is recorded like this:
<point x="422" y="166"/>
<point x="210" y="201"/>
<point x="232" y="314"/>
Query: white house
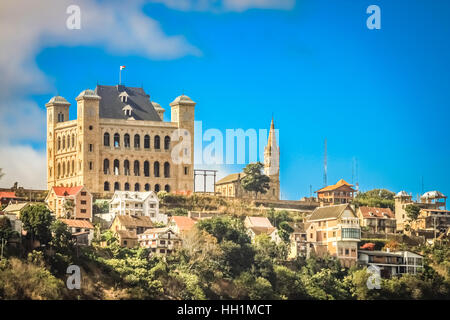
<point x="133" y="203"/>
<point x="261" y="225"/>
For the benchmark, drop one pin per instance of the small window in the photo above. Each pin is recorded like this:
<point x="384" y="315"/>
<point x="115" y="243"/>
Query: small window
<point x="83" y="210"/>
<point x="83" y="193"/>
<point x="83" y="201"/>
<point x="186" y="171"/>
<point x="91" y="165"/>
<point x="91" y="147"/>
<point x="91" y="127"/>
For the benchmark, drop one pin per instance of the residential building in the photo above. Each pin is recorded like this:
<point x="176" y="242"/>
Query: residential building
<point x="339" y="193"/>
<point x="15" y="208"/>
<point x="431" y="223"/>
<point x="261" y="225"/>
<point x="181" y="224"/>
<point x="7" y="196"/>
<point x="298" y="242"/>
<point x="335" y="231"/>
<point x="82" y="230"/>
<point x="434" y="200"/>
<point x="136" y="203"/>
<point x="391" y="263"/>
<point x="119" y="141"/>
<point x="70" y="202"/>
<point x="377" y="220"/>
<point x="160" y="240"/>
<point x="127" y="228"/>
<point x="230" y="186"/>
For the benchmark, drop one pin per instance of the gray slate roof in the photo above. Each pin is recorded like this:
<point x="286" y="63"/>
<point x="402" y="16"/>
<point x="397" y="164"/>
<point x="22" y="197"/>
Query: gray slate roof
<point x="111" y="106"/>
<point x="328" y="212"/>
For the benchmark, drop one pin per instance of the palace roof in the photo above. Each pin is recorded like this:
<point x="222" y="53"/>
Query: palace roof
<point x="111" y="104"/>
<point x="339" y="184"/>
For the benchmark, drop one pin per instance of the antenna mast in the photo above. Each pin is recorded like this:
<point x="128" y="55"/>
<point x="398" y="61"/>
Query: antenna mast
<point x="325" y="164"/>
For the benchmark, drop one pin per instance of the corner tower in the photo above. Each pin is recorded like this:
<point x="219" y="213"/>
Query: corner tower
<point x="57" y="111"/>
<point x="183" y="113"/>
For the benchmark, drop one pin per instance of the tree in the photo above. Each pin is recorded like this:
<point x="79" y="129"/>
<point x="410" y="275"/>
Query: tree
<point x="255" y="180"/>
<point x="284" y="231"/>
<point x="68" y="208"/>
<point x="37" y="220"/>
<point x="62" y="238"/>
<point x="376" y="198"/>
<point x="6" y="231"/>
<point x="412" y="211"/>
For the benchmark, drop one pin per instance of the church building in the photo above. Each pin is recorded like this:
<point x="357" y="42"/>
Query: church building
<point x="230" y="186"/>
<point x="119" y="141"/>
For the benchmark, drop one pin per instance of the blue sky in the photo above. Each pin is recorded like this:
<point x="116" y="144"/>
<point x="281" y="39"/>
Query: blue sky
<point x="380" y="96"/>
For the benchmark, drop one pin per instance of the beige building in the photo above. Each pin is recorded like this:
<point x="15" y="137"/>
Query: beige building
<point x="433" y="200"/>
<point x="119" y="141"/>
<point x="377" y="220"/>
<point x="261" y="225"/>
<point x="127" y="229"/>
<point x="80" y="198"/>
<point x="335" y="231"/>
<point x="160" y="240"/>
<point x="230" y="186"/>
<point x="341" y="192"/>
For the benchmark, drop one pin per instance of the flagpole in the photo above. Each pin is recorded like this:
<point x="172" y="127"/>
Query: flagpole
<point x="120" y="75"/>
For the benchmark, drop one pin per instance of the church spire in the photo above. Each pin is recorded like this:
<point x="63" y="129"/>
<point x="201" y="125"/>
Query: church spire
<point x="271" y="153"/>
<point x="272" y="141"/>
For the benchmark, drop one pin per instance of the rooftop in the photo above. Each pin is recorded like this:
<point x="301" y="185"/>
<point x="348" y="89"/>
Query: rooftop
<point x="328" y="212"/>
<point x="374" y="212"/>
<point x="338" y="184"/>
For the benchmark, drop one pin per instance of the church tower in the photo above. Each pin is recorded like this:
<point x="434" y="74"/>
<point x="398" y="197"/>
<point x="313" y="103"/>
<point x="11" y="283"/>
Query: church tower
<point x="272" y="164"/>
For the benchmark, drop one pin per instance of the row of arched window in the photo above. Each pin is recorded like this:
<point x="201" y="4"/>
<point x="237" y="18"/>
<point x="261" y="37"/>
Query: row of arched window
<point x="65" y="142"/>
<point x="136" y="141"/>
<point x="116" y="169"/>
<point x="65" y="169"/>
<point x="137" y="187"/>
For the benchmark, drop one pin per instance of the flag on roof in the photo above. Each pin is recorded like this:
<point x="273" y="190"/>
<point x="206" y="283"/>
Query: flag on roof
<point x="122" y="67"/>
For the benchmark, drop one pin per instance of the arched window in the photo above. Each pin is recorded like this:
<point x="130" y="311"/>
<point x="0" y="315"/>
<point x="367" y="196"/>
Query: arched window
<point x="167" y="188"/>
<point x="116" y="167"/>
<point x="157" y="143"/>
<point x="157" y="188"/>
<point x="58" y="172"/>
<point x="146" y="168"/>
<point x="137" y="187"/>
<point x="127" y="187"/>
<point x="64" y="142"/>
<point x="146" y="141"/>
<point x="137" y="141"/>
<point x="116" y="186"/>
<point x="73" y="167"/>
<point x="106" y="166"/>
<point x="59" y="143"/>
<point x="147" y="187"/>
<point x="126" y="167"/>
<point x="156" y="169"/>
<point x="136" y="168"/>
<point x="166" y="170"/>
<point x="73" y="141"/>
<point x="126" y="140"/>
<point x="106" y="139"/>
<point x="106" y="186"/>
<point x="166" y="143"/>
<point x="116" y="140"/>
<point x="64" y="169"/>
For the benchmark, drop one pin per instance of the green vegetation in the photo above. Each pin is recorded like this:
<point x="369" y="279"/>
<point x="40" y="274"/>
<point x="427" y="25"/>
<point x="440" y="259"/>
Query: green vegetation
<point x="36" y="221"/>
<point x="412" y="211"/>
<point x="381" y="198"/>
<point x="218" y="260"/>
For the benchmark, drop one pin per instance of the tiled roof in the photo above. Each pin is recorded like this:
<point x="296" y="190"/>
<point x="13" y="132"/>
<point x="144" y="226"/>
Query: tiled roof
<point x="373" y="212"/>
<point x="135" y="221"/>
<point x="231" y="178"/>
<point x="339" y="184"/>
<point x="15" y="207"/>
<point x="328" y="212"/>
<point x="111" y="105"/>
<point x="259" y="222"/>
<point x="124" y="234"/>
<point x="6" y="194"/>
<point x="66" y="191"/>
<point x="74" y="223"/>
<point x="183" y="223"/>
<point x="260" y="230"/>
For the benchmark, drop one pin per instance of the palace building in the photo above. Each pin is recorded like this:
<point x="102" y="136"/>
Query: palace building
<point x="119" y="141"/>
<point x="230" y="186"/>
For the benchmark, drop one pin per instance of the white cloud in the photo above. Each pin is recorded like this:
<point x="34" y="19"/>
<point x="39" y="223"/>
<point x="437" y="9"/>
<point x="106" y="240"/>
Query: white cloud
<point x="227" y="5"/>
<point x="26" y="27"/>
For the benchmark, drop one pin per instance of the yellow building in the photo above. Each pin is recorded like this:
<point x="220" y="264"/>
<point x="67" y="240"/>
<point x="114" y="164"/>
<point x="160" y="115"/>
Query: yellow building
<point x="119" y="141"/>
<point x="230" y="186"/>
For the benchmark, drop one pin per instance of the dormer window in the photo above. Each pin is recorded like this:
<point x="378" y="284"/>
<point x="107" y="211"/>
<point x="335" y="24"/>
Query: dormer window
<point x="123" y="97"/>
<point x="127" y="110"/>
